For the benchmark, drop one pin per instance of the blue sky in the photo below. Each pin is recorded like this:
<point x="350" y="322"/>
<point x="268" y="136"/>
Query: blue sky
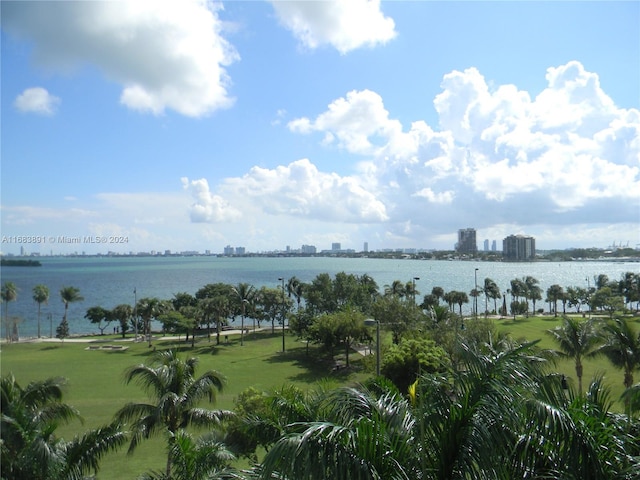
<point x="196" y="125"/>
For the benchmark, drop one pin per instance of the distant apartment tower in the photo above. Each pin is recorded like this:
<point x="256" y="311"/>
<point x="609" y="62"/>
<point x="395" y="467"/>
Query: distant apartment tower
<point x="365" y="248"/>
<point x="229" y="250"/>
<point x="494" y="247"/>
<point x="308" y="249"/>
<point x="240" y="250"/>
<point x="467" y="241"/>
<point x="519" y="248"/>
<point x="486" y="245"/>
<point x="336" y="246"/>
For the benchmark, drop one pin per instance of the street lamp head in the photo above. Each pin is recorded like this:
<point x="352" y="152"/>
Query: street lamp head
<point x="370" y="322"/>
<point x="416" y="278"/>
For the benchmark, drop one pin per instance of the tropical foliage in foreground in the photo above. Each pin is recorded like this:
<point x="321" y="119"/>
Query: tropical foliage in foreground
<point x="30" y="448"/>
<point x="499" y="416"/>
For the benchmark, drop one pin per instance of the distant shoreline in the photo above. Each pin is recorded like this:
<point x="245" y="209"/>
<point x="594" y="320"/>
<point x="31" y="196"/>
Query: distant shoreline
<point x="19" y="262"/>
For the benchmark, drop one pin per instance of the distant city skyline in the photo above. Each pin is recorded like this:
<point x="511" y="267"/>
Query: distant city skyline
<point x="193" y="125"/>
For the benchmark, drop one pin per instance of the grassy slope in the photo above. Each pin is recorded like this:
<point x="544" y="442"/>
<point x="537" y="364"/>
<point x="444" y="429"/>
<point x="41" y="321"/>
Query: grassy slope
<point x="97" y="390"/>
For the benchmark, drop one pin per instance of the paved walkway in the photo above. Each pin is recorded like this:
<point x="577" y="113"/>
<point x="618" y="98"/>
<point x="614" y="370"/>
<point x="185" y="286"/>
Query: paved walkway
<point x="141" y="338"/>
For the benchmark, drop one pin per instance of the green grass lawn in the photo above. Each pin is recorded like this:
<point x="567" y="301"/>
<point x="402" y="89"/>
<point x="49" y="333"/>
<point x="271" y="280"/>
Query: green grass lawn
<point x="96" y="387"/>
<point x="534" y="327"/>
<point x="97" y="390"/>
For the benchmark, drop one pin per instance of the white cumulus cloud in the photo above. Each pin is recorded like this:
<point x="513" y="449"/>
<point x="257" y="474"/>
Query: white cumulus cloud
<point x="345" y="25"/>
<point x="165" y="54"/>
<point x="37" y="100"/>
<point x="207" y="206"/>
<point x="565" y="155"/>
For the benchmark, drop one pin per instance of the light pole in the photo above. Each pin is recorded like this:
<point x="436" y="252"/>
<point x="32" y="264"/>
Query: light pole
<point x="370" y="322"/>
<point x="414" y="289"/>
<point x="282" y="280"/>
<point x="475" y="297"/>
<point x="589" y="295"/>
<point x="135" y="314"/>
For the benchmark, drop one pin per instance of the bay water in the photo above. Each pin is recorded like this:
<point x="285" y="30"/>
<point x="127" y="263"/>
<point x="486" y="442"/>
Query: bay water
<point x="109" y="281"/>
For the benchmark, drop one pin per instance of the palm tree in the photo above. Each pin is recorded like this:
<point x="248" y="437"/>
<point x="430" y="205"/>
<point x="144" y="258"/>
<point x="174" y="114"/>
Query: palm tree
<point x="40" y="296"/>
<point x="204" y="458"/>
<point x="622" y="348"/>
<point x="362" y="435"/>
<point x="576" y="339"/>
<point x="296" y="288"/>
<point x="460" y="298"/>
<point x="176" y="394"/>
<point x="9" y="293"/>
<point x="245" y="294"/>
<point x="554" y="293"/>
<point x="148" y="309"/>
<point x="452" y="426"/>
<point x="396" y="289"/>
<point x="30" y="447"/>
<point x="69" y="295"/>
<point x="533" y="290"/>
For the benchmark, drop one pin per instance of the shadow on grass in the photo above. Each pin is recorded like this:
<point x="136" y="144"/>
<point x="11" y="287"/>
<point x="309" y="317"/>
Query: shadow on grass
<point x="50" y="347"/>
<point x="315" y="364"/>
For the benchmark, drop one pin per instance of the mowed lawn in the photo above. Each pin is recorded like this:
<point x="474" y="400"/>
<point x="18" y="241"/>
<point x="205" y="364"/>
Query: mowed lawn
<point x="96" y="387"/>
<point x="535" y="327"/>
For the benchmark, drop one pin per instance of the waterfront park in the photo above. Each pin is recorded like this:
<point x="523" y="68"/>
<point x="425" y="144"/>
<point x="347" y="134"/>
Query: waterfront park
<point x="385" y="387"/>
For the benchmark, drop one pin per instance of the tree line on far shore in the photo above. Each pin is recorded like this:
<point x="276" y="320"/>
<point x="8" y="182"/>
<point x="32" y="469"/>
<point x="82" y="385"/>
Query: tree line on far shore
<point x="215" y="305"/>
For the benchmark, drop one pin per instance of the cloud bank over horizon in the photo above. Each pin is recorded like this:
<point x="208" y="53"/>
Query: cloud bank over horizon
<point x="567" y="157"/>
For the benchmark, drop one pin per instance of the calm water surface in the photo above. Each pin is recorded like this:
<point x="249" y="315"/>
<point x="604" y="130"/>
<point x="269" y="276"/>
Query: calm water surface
<point x="111" y="281"/>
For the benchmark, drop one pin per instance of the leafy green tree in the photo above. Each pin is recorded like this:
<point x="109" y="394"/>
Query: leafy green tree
<point x="62" y="330"/>
<point x="97" y="315"/>
<point x="269" y="305"/>
<point x="122" y="313"/>
<point x="183" y="299"/>
<point x="31" y="449"/>
<point x="318" y="295"/>
<point x="176" y="394"/>
<point x="576" y="297"/>
<point x="340" y="328"/>
<point x="577" y="340"/>
<point x="40" y="296"/>
<point x="605" y="299"/>
<point x="405" y="362"/>
<point x="395" y="315"/>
